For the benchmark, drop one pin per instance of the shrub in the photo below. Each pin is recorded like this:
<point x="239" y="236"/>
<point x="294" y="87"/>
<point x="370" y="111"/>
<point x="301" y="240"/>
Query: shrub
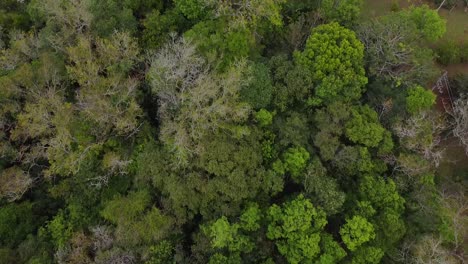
<point x="448" y="53"/>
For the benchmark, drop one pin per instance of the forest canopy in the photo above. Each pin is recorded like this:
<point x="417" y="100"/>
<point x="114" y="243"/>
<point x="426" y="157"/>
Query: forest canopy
<point x="241" y="131"/>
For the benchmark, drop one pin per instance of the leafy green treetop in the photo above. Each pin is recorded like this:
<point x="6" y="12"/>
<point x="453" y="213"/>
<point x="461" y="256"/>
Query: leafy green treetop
<point x="428" y="22"/>
<point x="294" y="161"/>
<point x="356" y="232"/>
<point x="419" y="99"/>
<point x="346" y="12"/>
<point x="296" y="227"/>
<point x="364" y="127"/>
<point x="226" y="235"/>
<point x="334" y="57"/>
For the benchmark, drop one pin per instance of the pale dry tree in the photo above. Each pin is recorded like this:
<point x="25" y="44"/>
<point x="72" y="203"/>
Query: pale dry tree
<point x="193" y="99"/>
<point x="459" y="120"/>
<point x="14" y="182"/>
<point x="429" y="249"/>
<point x="421" y="133"/>
<point x="103" y="238"/>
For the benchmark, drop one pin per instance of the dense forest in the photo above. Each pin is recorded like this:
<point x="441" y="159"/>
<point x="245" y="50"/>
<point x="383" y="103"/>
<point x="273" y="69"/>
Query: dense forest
<point x="233" y="131"/>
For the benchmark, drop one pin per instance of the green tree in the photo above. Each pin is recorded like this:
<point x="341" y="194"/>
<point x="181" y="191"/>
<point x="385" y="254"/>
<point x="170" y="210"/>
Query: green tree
<point x="264" y="118"/>
<point x="367" y="255"/>
<point x="16" y="222"/>
<point x="292" y="83"/>
<point x="215" y="40"/>
<point x="110" y="16"/>
<point x="259" y="91"/>
<point x="330" y="124"/>
<point x="334" y="57"/>
<point x="137" y="221"/>
<point x="364" y="127"/>
<point x="295" y="160"/>
<point x="226" y="235"/>
<point x="13" y="16"/>
<point x="158" y="26"/>
<point x="419" y="99"/>
<point x="332" y="251"/>
<point x="192" y="9"/>
<point x="346" y="12"/>
<point x="162" y="253"/>
<point x="428" y="22"/>
<point x="322" y="189"/>
<point x="295" y="227"/>
<point x="356" y="232"/>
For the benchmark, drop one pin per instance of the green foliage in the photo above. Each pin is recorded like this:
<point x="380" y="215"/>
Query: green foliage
<point x="292" y="129"/>
<point x="162" y="253"/>
<point x="250" y="218"/>
<point x="221" y="259"/>
<point x="214" y="41"/>
<point x="110" y="16"/>
<point x="13" y="16"/>
<point x="259" y="91"/>
<point x="334" y="57"/>
<point x="295" y="160"/>
<point x="128" y="207"/>
<point x="387" y="145"/>
<point x="356" y="232"/>
<point x="428" y="22"/>
<point x="60" y="230"/>
<point x="450" y="52"/>
<point x="296" y="228"/>
<point x="382" y="194"/>
<point x="419" y="99"/>
<point x="323" y="189"/>
<point x="264" y="117"/>
<point x="16" y="222"/>
<point x="345" y="12"/>
<point x="192" y="9"/>
<point x="364" y="127"/>
<point x="332" y="251"/>
<point x="292" y="83"/>
<point x="366" y="255"/>
<point x="136" y="221"/>
<point x="158" y="26"/>
<point x="187" y="131"/>
<point x="329" y="122"/>
<point x="226" y="235"/>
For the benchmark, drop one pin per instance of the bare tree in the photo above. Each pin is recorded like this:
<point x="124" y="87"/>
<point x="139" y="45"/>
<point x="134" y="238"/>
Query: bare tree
<point x="194" y="100"/>
<point x="430" y="250"/>
<point x="460" y="120"/>
<point x="391" y="52"/>
<point x="421" y="133"/>
<point x="102" y="238"/>
<point x="14" y="182"/>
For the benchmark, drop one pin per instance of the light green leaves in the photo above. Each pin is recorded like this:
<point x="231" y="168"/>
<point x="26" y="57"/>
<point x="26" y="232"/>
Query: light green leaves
<point x="419" y="99"/>
<point x="296" y="227"/>
<point x="334" y="57"/>
<point x="364" y="127"/>
<point x="356" y="232"/>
